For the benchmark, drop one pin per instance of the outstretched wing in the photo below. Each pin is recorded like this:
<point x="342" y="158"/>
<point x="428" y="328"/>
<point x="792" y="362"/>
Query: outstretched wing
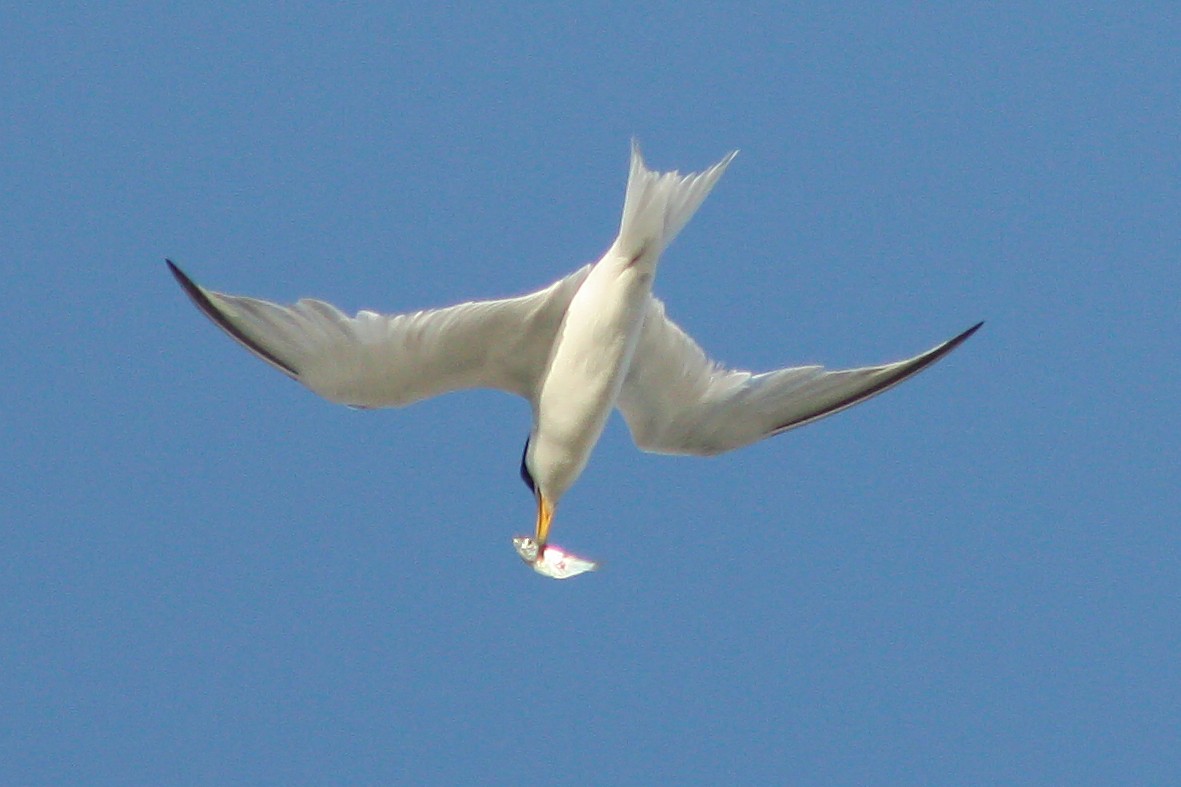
<point x="677" y="401"/>
<point x="377" y="360"/>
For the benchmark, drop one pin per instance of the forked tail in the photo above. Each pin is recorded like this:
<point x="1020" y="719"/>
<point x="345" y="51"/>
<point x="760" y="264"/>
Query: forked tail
<point x="659" y="204"/>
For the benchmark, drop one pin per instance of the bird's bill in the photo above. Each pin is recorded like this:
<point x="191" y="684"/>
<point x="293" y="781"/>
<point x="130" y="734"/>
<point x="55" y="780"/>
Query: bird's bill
<point x="545" y="514"/>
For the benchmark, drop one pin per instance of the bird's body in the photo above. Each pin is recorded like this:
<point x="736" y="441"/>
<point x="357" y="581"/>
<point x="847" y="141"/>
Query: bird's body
<point x="592" y="341"/>
<point x="582" y="385"/>
<point x="597" y="339"/>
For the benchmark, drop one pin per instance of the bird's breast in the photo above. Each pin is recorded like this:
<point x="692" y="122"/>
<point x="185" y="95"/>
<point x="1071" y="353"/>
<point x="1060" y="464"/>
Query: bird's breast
<point x="599" y="332"/>
<point x="589" y="362"/>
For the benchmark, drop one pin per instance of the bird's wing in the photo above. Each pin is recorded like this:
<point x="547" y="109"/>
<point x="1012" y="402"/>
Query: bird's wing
<point x="377" y="360"/>
<point x="677" y="401"/>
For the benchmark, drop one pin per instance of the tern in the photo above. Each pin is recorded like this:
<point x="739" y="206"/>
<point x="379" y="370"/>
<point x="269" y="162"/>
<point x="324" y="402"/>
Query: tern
<point x="591" y="342"/>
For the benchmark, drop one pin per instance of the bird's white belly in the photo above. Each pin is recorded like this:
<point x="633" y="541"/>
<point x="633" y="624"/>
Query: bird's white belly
<point x="588" y="365"/>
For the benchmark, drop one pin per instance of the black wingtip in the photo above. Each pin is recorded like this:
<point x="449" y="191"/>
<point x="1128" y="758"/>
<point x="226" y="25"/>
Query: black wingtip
<point x="963" y="337"/>
<point x="914" y="367"/>
<point x="207" y="307"/>
<point x="192" y="290"/>
<point x="188" y="285"/>
<point x="930" y="357"/>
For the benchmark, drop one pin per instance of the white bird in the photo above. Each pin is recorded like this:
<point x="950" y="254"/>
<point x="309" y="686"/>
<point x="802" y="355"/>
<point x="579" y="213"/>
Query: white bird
<point x="590" y="342"/>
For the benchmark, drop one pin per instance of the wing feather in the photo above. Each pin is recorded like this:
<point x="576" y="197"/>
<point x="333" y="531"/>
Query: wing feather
<point x="378" y="360"/>
<point x="677" y="401"/>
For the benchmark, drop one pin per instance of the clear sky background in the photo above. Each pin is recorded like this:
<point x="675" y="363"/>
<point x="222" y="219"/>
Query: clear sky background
<point x="210" y="576"/>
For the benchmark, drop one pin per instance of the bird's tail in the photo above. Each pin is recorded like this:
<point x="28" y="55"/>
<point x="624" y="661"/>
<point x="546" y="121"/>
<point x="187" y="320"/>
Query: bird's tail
<point x="659" y="204"/>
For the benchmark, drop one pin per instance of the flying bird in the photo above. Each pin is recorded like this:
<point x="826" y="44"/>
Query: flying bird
<point x="592" y="341"/>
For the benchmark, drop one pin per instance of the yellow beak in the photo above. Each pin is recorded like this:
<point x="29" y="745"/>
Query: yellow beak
<point x="545" y="513"/>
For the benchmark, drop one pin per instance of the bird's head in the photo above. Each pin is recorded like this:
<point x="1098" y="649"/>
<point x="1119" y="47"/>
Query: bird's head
<point x="546" y="559"/>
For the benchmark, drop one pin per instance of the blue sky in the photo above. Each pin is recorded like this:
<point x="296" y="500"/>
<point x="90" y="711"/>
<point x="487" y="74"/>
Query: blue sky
<point x="211" y="576"/>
